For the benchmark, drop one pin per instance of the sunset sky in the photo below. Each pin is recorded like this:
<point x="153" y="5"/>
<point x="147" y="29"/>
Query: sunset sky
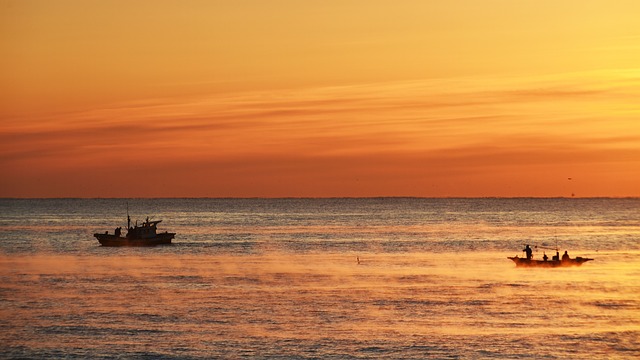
<point x="289" y="98"/>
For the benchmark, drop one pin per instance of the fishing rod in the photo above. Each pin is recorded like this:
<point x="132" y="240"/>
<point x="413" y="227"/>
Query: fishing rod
<point x="128" y="218"/>
<point x="542" y="247"/>
<point x="548" y="248"/>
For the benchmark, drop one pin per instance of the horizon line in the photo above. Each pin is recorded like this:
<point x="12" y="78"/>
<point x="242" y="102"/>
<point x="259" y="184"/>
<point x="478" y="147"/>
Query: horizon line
<point x="314" y="197"/>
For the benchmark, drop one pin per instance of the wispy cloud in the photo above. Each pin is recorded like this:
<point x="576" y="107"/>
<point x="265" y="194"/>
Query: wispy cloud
<point x="450" y="126"/>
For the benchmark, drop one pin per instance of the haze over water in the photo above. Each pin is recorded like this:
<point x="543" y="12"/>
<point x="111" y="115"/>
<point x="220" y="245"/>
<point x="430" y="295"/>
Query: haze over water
<point x="279" y="278"/>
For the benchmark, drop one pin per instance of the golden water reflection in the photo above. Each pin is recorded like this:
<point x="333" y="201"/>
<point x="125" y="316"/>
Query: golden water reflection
<point x="266" y="304"/>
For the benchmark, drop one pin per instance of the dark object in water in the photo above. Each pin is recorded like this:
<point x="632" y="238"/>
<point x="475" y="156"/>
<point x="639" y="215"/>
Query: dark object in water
<point x="524" y="262"/>
<point x="144" y="235"/>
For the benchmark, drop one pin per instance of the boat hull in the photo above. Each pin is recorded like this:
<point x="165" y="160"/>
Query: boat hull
<point x="113" y="240"/>
<point x="523" y="262"/>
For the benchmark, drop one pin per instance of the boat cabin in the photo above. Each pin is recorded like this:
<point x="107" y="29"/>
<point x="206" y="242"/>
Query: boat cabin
<point x="145" y="231"/>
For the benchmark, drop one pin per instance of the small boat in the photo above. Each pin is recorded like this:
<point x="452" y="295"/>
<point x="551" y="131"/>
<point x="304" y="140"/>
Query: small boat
<point x="144" y="235"/>
<point x="556" y="260"/>
<point x="524" y="262"/>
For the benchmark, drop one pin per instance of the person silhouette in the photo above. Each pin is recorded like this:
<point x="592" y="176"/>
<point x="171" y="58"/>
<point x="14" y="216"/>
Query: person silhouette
<point x="528" y="251"/>
<point x="565" y="256"/>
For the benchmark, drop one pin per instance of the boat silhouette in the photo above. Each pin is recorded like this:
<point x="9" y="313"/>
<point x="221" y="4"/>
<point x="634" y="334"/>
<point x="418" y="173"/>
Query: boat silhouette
<point x="556" y="260"/>
<point x="143" y="235"/>
<point x="524" y="262"/>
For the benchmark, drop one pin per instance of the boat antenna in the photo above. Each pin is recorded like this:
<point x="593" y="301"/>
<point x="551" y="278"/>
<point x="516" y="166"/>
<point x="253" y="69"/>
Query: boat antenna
<point x="128" y="218"/>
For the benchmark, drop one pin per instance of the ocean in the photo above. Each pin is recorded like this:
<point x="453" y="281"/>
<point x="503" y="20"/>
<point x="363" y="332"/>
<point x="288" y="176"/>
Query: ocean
<point x="402" y="278"/>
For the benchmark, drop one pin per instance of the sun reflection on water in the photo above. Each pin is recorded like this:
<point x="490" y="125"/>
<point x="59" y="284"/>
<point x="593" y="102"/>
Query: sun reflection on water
<point x="282" y="303"/>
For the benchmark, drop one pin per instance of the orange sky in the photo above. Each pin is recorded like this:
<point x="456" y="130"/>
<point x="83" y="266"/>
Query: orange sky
<point x="334" y="98"/>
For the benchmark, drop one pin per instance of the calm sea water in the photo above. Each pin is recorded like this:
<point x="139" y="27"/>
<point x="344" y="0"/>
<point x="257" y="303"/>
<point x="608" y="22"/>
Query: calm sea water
<point x="279" y="278"/>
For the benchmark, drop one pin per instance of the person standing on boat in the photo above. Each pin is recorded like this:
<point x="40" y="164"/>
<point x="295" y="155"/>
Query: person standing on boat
<point x="528" y="251"/>
<point x="545" y="257"/>
<point x="565" y="256"/>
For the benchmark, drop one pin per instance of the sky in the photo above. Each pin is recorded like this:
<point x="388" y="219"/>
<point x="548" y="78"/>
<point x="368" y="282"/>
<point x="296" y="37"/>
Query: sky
<point x="287" y="98"/>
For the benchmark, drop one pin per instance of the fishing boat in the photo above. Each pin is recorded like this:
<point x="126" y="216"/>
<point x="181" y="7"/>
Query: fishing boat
<point x="524" y="262"/>
<point x="143" y="235"/>
<point x="556" y="260"/>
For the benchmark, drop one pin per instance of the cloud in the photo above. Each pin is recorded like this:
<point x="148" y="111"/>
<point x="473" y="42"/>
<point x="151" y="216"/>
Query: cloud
<point x="321" y="136"/>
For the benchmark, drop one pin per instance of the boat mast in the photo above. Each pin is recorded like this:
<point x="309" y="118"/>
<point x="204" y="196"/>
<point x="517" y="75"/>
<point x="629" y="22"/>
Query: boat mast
<point x="128" y="218"/>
